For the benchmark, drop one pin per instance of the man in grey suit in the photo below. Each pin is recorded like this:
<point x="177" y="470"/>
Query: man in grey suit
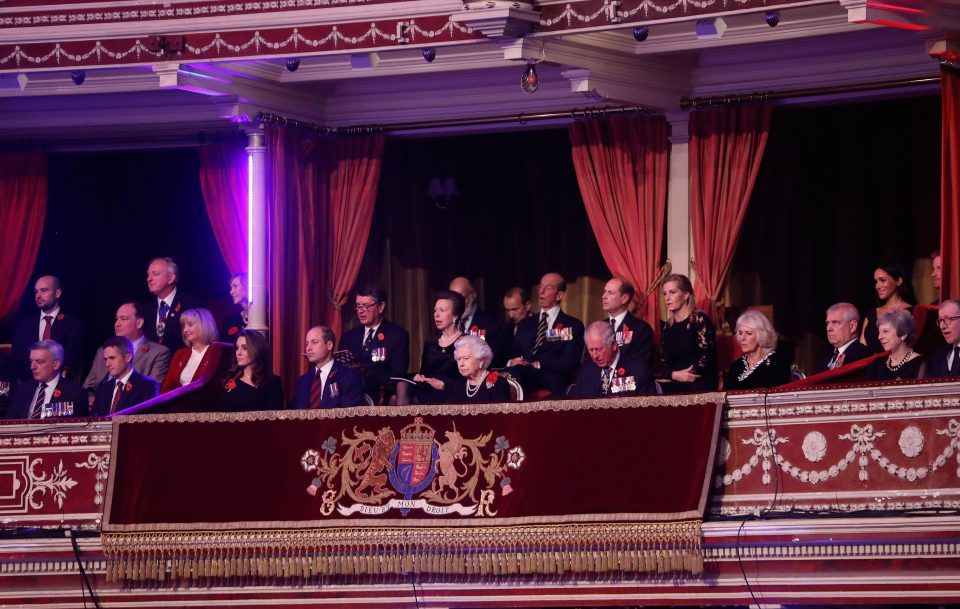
<point x="149" y="358"/>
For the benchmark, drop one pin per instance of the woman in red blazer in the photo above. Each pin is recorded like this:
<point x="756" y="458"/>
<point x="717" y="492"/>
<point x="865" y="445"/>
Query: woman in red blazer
<point x="199" y="356"/>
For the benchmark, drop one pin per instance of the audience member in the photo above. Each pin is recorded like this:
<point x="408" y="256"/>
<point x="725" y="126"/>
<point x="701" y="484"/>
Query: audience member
<point x="251" y="384"/>
<point x="48" y="387"/>
<point x="688" y="359"/>
<point x="328" y="384"/>
<point x="516" y="307"/>
<point x="547" y="348"/>
<point x="162" y="312"/>
<point x="476" y="321"/>
<point x="634" y="336"/>
<point x="199" y="331"/>
<point x="124" y="387"/>
<point x="149" y="358"/>
<point x="52" y="323"/>
<point x="896" y="332"/>
<point x="380" y="347"/>
<point x="843" y="324"/>
<point x="475" y="383"/>
<point x="761" y="365"/>
<point x="237" y="320"/>
<point x="437" y="365"/>
<point x="937" y="274"/>
<point x="946" y="360"/>
<point x="611" y="371"/>
<point x="893" y="292"/>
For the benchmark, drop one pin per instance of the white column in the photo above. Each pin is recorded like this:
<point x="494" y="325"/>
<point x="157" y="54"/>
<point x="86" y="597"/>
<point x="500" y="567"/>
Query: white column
<point x="679" y="244"/>
<point x="257" y="229"/>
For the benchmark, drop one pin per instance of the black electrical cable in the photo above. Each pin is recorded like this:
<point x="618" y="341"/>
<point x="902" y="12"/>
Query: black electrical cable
<point x="83" y="572"/>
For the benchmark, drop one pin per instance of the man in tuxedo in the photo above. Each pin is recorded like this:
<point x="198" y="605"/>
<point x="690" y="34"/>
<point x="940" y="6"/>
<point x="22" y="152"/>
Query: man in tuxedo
<point x="547" y="347"/>
<point x="124" y="387"/>
<point x="161" y="313"/>
<point x="945" y="361"/>
<point x="381" y="348"/>
<point x="843" y="332"/>
<point x="634" y="336"/>
<point x="328" y="383"/>
<point x="47" y="386"/>
<point x="52" y="323"/>
<point x="149" y="358"/>
<point x="611" y="371"/>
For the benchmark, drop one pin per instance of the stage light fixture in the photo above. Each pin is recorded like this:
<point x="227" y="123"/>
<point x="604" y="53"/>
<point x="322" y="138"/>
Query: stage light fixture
<point x="78" y="77"/>
<point x="530" y="80"/>
<point x="640" y="33"/>
<point x="293" y="64"/>
<point x="772" y="18"/>
<point x="429" y="54"/>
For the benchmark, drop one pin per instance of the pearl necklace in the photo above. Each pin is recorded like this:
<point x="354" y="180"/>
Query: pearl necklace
<point x="475" y="390"/>
<point x="450" y="344"/>
<point x="902" y="362"/>
<point x="748" y="370"/>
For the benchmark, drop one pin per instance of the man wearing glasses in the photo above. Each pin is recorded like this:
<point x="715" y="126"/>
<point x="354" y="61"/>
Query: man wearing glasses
<point x="946" y="360"/>
<point x="380" y="347"/>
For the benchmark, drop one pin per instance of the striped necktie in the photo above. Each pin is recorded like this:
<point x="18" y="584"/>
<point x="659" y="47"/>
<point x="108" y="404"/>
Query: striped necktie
<point x="38" y="404"/>
<point x="116" y="397"/>
<point x="316" y="391"/>
<point x="541" y="332"/>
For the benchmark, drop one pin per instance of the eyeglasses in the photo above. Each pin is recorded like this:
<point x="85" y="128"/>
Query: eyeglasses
<point x="362" y="306"/>
<point x="944" y="321"/>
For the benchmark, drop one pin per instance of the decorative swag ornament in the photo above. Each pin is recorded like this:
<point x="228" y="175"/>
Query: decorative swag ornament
<point x="578" y="487"/>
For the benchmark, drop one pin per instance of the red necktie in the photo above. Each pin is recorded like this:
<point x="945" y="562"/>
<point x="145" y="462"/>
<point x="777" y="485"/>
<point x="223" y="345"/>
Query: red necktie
<point x="47" y="326"/>
<point x="116" y="397"/>
<point x="316" y="391"/>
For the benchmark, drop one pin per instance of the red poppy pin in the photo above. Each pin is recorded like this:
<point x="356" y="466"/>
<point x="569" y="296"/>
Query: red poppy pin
<point x="474" y="328"/>
<point x="380" y="336"/>
<point x="144" y="349"/>
<point x="60" y="317"/>
<point x="558" y="327"/>
<point x="626" y="328"/>
<point x="129" y="387"/>
<point x="230" y="385"/>
<point x="492" y="377"/>
<point x="56" y="393"/>
<point x="177" y="309"/>
<point x="232" y="331"/>
<point x="621" y="372"/>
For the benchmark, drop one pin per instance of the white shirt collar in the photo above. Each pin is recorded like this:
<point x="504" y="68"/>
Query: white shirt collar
<point x="325" y="369"/>
<point x="169" y="299"/>
<point x="52" y="314"/>
<point x="552" y="314"/>
<point x="138" y="343"/>
<point x="126" y="377"/>
<point x="368" y="329"/>
<point x="847" y="344"/>
<point x="619" y="319"/>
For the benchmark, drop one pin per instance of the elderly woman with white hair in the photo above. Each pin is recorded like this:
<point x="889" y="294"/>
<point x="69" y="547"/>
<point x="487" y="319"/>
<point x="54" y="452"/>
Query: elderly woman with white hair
<point x="896" y="330"/>
<point x="476" y="384"/>
<point x="761" y="365"/>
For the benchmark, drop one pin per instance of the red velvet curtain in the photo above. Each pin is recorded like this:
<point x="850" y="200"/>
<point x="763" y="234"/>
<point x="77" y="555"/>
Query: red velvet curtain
<point x="23" y="207"/>
<point x="323" y="193"/>
<point x="950" y="183"/>
<point x="621" y="166"/>
<point x="223" y="178"/>
<point x="726" y="146"/>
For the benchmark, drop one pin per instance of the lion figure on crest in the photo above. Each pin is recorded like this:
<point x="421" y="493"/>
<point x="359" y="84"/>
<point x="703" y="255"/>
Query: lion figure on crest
<point x="372" y="460"/>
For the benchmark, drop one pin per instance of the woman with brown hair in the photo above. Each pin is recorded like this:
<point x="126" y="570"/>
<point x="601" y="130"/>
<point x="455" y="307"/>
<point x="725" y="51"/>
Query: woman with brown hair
<point x="250" y="384"/>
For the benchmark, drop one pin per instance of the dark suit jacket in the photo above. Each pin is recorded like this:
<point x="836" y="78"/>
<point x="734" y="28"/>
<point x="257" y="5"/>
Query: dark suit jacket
<point x="589" y="383"/>
<point x="172" y="337"/>
<point x="67" y="329"/>
<point x="231" y="327"/>
<point x="856" y="351"/>
<point x="559" y="359"/>
<point x="349" y="385"/>
<point x="641" y="338"/>
<point x="397" y="343"/>
<point x="138" y="389"/>
<point x="937" y="364"/>
<point x="491" y="329"/>
<point x="22" y="401"/>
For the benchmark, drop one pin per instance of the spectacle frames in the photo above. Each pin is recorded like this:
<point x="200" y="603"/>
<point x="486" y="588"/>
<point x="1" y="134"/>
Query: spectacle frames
<point x="362" y="306"/>
<point x="944" y="321"/>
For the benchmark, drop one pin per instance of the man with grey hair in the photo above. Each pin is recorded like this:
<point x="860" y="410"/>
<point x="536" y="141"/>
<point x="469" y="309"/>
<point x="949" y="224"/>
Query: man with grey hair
<point x="48" y="386"/>
<point x="476" y="321"/>
<point x="843" y="331"/>
<point x="610" y="371"/>
<point x="945" y="361"/>
<point x="161" y="313"/>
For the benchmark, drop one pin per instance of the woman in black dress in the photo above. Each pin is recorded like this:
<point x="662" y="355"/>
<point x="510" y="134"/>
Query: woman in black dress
<point x="761" y="365"/>
<point x="437" y="365"/>
<point x="896" y="331"/>
<point x="250" y="384"/>
<point x="473" y="356"/>
<point x="688" y="358"/>
<point x="893" y="293"/>
<point x="237" y="320"/>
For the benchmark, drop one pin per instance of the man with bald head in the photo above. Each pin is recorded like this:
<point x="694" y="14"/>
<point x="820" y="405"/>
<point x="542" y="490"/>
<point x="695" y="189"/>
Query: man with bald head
<point x="610" y="371"/>
<point x="52" y="323"/>
<point x="547" y="347"/>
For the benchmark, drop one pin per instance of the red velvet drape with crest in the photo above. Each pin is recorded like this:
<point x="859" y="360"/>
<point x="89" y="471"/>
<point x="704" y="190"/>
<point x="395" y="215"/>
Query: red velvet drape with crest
<point x="323" y="193"/>
<point x="950" y="183"/>
<point x="621" y="166"/>
<point x="23" y="207"/>
<point x="726" y="146"/>
<point x="223" y="179"/>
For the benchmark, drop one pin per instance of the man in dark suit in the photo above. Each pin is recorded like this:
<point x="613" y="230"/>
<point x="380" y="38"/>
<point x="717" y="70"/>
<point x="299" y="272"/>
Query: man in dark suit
<point x="516" y="307"/>
<point x="47" y="388"/>
<point x="328" y="383"/>
<point x="611" y="372"/>
<point x="476" y="321"/>
<point x="547" y="347"/>
<point x="843" y="332"/>
<point x="52" y="323"/>
<point x="381" y="348"/>
<point x="945" y="361"/>
<point x="634" y="336"/>
<point x="149" y="358"/>
<point x="162" y="312"/>
<point x="124" y="387"/>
